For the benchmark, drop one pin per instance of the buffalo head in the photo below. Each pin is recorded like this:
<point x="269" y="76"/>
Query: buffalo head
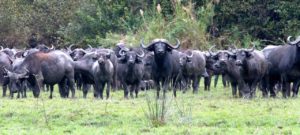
<point x="242" y="55"/>
<point x="16" y="79"/>
<point x="160" y="46"/>
<point x="103" y="56"/>
<point x="186" y="58"/>
<point x="130" y="56"/>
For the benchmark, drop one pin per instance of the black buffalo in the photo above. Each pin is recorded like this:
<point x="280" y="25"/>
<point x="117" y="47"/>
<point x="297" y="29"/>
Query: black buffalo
<point x="225" y="63"/>
<point x="17" y="83"/>
<point x="40" y="68"/>
<point x="130" y="70"/>
<point x="103" y="72"/>
<point x="162" y="66"/>
<point x="5" y="63"/>
<point x="193" y="67"/>
<point x="254" y="67"/>
<point x="284" y="63"/>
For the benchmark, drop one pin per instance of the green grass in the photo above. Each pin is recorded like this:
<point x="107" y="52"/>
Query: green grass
<point x="209" y="112"/>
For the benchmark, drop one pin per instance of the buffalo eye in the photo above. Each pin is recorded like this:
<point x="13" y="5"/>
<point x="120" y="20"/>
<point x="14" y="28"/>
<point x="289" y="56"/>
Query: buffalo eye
<point x="215" y="57"/>
<point x="108" y="56"/>
<point x="94" y="58"/>
<point x="188" y="59"/>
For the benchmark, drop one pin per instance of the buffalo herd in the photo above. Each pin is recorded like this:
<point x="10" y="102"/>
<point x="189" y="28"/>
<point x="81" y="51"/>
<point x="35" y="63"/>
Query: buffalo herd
<point x="155" y="65"/>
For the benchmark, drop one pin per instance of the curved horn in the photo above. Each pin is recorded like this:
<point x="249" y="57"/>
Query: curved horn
<point x="210" y="52"/>
<point x="190" y="56"/>
<point x="122" y="52"/>
<point x="176" y="46"/>
<point x="293" y="42"/>
<point x="252" y="49"/>
<point x="230" y="53"/>
<point x="142" y="44"/>
<point x="90" y="46"/>
<point x="70" y="47"/>
<point x="1" y="48"/>
<point x="289" y="39"/>
<point x="141" y="55"/>
<point x="52" y="47"/>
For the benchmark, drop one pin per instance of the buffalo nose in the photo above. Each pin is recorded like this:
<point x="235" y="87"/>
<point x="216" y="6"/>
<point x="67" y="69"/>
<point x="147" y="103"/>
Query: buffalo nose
<point x="131" y="61"/>
<point x="160" y="51"/>
<point x="217" y="65"/>
<point x="100" y="60"/>
<point x="222" y="62"/>
<point x="238" y="62"/>
<point x="180" y="62"/>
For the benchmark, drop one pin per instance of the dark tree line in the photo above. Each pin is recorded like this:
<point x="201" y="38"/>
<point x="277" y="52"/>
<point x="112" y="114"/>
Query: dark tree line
<point x="99" y="22"/>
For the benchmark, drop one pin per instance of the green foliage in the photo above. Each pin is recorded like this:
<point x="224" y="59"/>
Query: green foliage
<point x="19" y="19"/>
<point x="104" y="23"/>
<point x="270" y="21"/>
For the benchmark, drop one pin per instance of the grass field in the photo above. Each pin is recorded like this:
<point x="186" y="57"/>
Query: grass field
<point x="209" y="112"/>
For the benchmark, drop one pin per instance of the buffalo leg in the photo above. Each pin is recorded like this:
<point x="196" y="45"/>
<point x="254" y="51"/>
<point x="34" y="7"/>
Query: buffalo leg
<point x="157" y="88"/>
<point x="101" y="89"/>
<point x="207" y="83"/>
<point x="71" y="85"/>
<point x="85" y="88"/>
<point x="224" y="80"/>
<point x="271" y="89"/>
<point x="11" y="94"/>
<point x="296" y="88"/>
<point x="125" y="91"/>
<point x="196" y="81"/>
<point x="19" y="92"/>
<point x="61" y="86"/>
<point x="108" y="89"/>
<point x="131" y="91"/>
<point x="51" y="91"/>
<point x="216" y="80"/>
<point x="165" y="87"/>
<point x="234" y="89"/>
<point x="136" y="89"/>
<point x="4" y="90"/>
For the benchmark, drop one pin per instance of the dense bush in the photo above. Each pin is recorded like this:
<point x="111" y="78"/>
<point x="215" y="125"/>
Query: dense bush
<point x="196" y="23"/>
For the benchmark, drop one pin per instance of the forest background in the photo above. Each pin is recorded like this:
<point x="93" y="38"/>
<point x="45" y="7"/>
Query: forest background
<point x="197" y="23"/>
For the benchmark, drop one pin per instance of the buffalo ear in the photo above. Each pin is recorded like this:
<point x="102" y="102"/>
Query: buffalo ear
<point x="169" y="49"/>
<point x="72" y="54"/>
<point x="150" y="48"/>
<point x="248" y="54"/>
<point x="139" y="60"/>
<point x="122" y="60"/>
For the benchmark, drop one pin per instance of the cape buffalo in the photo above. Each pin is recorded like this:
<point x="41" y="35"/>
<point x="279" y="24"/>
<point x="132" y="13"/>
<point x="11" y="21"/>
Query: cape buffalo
<point x="40" y="68"/>
<point x="254" y="67"/>
<point x="162" y="66"/>
<point x="130" y="70"/>
<point x="193" y="67"/>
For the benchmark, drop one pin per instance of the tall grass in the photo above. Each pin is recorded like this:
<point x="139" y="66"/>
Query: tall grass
<point x="187" y="24"/>
<point x="156" y="111"/>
